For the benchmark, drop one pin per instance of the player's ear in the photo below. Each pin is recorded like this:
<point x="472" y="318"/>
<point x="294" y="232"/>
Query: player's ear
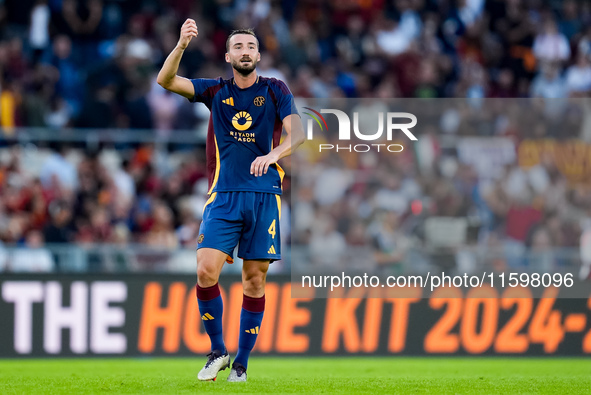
<point x="227" y="58"/>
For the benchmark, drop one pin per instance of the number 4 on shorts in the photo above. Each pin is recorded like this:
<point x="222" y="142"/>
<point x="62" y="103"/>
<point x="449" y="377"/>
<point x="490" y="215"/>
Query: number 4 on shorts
<point x="272" y="229"/>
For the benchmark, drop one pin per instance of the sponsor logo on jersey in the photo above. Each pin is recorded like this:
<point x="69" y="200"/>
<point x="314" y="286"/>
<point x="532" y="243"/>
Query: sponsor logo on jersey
<point x="242" y="121"/>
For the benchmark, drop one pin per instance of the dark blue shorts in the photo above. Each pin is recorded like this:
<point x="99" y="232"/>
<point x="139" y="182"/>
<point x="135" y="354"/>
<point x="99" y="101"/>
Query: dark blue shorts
<point x="250" y="219"/>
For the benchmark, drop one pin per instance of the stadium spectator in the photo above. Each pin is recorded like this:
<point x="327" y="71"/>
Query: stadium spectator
<point x="578" y="76"/>
<point x="327" y="245"/>
<point x="548" y="83"/>
<point x="59" y="229"/>
<point x="39" y="29"/>
<point x="550" y="45"/>
<point x="58" y="172"/>
<point x="161" y="233"/>
<point x="570" y="23"/>
<point x="389" y="242"/>
<point x="124" y="182"/>
<point x="32" y="257"/>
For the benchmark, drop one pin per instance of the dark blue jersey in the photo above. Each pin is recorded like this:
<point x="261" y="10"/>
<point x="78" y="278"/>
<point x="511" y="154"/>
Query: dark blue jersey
<point x="244" y="124"/>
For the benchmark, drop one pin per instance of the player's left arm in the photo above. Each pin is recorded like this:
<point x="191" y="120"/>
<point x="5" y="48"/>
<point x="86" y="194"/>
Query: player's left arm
<point x="294" y="138"/>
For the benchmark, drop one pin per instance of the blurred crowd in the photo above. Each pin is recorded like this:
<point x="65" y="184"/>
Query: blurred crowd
<point x="93" y="64"/>
<point x="91" y="198"/>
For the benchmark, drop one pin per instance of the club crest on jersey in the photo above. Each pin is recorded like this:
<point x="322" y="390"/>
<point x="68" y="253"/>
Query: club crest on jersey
<point x="259" y="101"/>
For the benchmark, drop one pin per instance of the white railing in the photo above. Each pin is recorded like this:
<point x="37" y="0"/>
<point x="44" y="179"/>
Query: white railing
<point x="137" y="258"/>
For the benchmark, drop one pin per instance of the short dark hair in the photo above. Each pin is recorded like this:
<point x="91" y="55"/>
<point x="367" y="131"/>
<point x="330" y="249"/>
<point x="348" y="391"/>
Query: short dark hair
<point x="241" y="31"/>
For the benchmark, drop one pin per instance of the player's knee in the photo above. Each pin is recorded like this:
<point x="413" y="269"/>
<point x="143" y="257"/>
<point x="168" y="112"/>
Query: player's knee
<point x="206" y="275"/>
<point x="254" y="283"/>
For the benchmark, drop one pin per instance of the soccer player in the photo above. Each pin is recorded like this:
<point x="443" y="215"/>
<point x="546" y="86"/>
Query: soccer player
<point x="243" y="146"/>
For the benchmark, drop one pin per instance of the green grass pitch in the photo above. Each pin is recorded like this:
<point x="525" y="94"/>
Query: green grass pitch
<point x="394" y="375"/>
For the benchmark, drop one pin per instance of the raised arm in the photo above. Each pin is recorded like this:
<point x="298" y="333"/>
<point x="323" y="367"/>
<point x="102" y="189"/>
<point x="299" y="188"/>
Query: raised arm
<point x="167" y="77"/>
<point x="294" y="138"/>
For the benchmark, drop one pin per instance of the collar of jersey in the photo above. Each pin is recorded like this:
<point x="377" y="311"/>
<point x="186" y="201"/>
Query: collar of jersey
<point x="243" y="89"/>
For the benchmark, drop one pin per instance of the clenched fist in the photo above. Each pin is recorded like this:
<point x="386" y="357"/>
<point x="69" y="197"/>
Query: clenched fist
<point x="188" y="31"/>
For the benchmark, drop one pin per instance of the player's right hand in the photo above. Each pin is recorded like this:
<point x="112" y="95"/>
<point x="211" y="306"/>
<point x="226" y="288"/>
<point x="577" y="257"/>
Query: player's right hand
<point x="188" y="31"/>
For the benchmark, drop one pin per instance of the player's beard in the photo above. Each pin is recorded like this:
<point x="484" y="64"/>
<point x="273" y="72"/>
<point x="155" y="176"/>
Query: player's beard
<point x="244" y="70"/>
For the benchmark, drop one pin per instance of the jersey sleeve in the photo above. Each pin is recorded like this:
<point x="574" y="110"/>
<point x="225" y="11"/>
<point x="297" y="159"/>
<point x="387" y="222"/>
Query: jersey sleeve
<point x="205" y="90"/>
<point x="285" y="102"/>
